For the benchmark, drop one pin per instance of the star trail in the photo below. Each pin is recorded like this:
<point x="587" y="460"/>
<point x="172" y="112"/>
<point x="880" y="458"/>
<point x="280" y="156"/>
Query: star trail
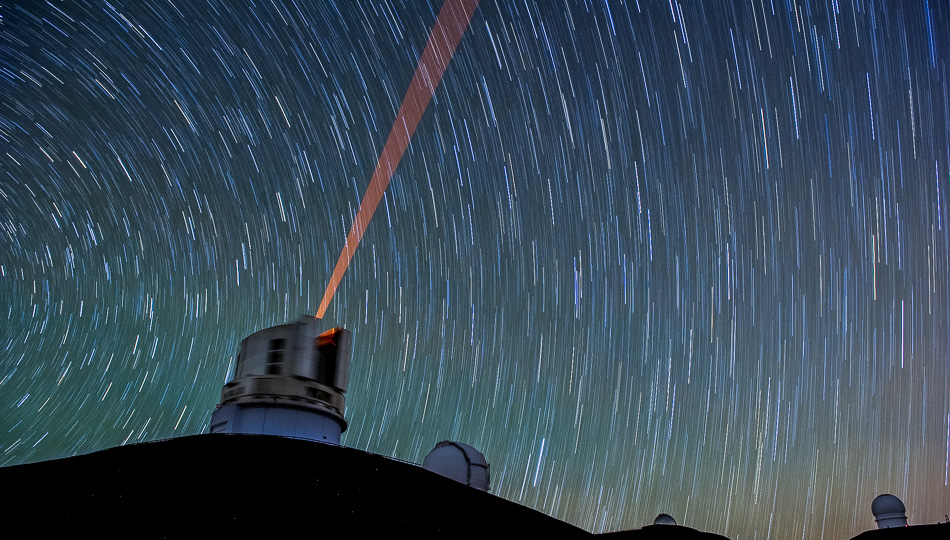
<point x="648" y="257"/>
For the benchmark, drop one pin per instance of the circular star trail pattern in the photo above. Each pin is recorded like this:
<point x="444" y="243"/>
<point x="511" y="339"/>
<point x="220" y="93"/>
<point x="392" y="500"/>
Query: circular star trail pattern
<point x="647" y="256"/>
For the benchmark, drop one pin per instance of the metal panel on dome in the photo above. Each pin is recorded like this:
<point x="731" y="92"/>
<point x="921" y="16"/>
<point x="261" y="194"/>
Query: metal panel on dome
<point x="280" y="422"/>
<point x="249" y="420"/>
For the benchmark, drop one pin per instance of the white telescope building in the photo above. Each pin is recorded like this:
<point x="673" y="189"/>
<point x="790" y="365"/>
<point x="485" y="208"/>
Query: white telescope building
<point x="289" y="381"/>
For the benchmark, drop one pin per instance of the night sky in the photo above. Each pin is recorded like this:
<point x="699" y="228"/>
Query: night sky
<point x="647" y="256"/>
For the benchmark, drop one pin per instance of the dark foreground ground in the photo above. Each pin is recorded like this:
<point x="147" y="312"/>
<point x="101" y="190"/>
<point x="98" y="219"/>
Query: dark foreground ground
<point x="253" y="486"/>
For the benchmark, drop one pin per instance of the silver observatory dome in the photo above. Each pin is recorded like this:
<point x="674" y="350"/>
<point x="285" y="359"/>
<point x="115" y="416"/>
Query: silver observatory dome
<point x="290" y="381"/>
<point x="888" y="511"/>
<point x="460" y="462"/>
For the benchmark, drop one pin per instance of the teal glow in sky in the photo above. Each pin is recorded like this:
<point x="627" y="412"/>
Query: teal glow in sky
<point x="647" y="257"/>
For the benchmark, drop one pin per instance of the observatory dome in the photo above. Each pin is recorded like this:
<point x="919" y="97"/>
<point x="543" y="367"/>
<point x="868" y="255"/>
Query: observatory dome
<point x="888" y="511"/>
<point x="460" y="462"/>
<point x="289" y="380"/>
<point x="664" y="519"/>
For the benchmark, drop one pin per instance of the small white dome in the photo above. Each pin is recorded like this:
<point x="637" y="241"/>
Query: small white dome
<point x="460" y="462"/>
<point x="888" y="511"/>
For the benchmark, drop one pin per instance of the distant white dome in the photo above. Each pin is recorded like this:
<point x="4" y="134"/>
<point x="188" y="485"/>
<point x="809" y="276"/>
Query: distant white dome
<point x="460" y="462"/>
<point x="664" y="519"/>
<point x="888" y="511"/>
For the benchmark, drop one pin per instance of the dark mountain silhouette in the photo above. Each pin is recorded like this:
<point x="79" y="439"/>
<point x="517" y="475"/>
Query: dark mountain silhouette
<point x="260" y="486"/>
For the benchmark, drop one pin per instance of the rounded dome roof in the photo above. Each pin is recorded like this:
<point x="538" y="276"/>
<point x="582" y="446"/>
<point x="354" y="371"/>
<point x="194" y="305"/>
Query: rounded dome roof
<point x="664" y="519"/>
<point x="887" y="506"/>
<point x="460" y="462"/>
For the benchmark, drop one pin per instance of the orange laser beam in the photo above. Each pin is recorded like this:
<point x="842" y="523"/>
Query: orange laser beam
<point x="449" y="27"/>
